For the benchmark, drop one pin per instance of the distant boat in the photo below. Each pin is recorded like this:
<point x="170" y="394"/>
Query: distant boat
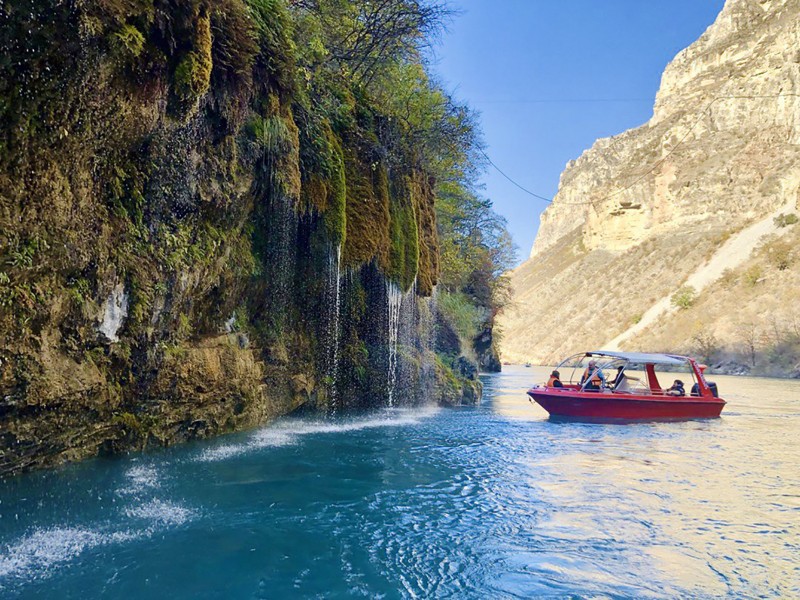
<point x="527" y="364"/>
<point x="585" y="396"/>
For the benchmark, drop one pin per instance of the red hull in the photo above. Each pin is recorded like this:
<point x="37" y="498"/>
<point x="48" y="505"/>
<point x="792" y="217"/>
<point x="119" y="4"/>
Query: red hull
<point x="594" y="405"/>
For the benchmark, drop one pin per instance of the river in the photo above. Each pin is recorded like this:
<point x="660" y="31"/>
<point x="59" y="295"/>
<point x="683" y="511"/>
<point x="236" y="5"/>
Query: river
<point x="493" y="501"/>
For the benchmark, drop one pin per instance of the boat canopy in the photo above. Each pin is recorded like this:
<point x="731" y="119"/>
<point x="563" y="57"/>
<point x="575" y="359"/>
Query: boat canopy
<point x="642" y="357"/>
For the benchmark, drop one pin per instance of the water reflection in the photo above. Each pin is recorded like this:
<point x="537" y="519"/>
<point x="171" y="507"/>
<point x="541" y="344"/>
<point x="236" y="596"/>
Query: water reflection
<point x="713" y="505"/>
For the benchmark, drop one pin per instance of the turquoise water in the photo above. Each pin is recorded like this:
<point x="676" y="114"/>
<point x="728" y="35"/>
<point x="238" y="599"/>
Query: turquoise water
<point x="487" y="502"/>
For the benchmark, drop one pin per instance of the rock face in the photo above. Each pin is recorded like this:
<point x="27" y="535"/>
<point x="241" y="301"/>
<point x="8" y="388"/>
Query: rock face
<point x="638" y="213"/>
<point x="189" y="244"/>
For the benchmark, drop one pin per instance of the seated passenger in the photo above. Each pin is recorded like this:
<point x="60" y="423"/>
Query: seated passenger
<point x="676" y="389"/>
<point x="619" y="377"/>
<point x="555" y="380"/>
<point x="621" y="381"/>
<point x="592" y="379"/>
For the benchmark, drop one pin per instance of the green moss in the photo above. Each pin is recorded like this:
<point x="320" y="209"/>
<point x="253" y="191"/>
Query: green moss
<point x="324" y="187"/>
<point x="184" y="329"/>
<point x="269" y="135"/>
<point x="127" y="421"/>
<point x="173" y="351"/>
<point x="428" y="239"/>
<point x="127" y="42"/>
<point x="192" y="77"/>
<point x="404" y="243"/>
<point x="274" y="140"/>
<point x="79" y="290"/>
<point x="193" y="73"/>
<point x="367" y="212"/>
<point x="336" y="211"/>
<point x="273" y="28"/>
<point x="135" y="427"/>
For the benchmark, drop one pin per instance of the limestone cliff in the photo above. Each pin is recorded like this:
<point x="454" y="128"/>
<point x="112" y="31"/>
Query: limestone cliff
<point x="637" y="214"/>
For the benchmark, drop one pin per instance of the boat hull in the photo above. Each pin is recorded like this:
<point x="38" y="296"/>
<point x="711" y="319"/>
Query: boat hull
<point x="593" y="405"/>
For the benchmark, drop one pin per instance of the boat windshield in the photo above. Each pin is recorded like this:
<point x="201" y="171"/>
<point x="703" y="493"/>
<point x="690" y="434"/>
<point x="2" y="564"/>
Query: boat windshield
<point x="573" y="368"/>
<point x="627" y="376"/>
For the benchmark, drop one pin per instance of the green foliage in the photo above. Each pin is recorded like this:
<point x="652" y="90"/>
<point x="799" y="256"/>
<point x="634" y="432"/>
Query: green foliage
<point x="270" y="135"/>
<point x="127" y="42"/>
<point x="184" y="329"/>
<point x="275" y="62"/>
<point x="79" y="290"/>
<point x="193" y="73"/>
<point x="684" y="297"/>
<point x="465" y="317"/>
<point x="784" y="220"/>
<point x="404" y="243"/>
<point x="476" y="248"/>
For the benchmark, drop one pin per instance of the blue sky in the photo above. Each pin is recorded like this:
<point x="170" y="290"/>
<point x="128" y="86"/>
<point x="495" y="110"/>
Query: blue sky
<point x="550" y="76"/>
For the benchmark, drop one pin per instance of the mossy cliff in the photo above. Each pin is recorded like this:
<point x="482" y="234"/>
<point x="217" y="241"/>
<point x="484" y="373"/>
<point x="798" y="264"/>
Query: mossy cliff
<point x="188" y="243"/>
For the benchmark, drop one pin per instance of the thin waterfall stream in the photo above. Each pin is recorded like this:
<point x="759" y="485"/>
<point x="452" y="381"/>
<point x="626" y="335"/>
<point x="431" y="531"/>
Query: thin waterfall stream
<point x="394" y="297"/>
<point x="333" y="297"/>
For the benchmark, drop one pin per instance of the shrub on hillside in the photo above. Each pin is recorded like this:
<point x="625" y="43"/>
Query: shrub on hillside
<point x="705" y="346"/>
<point x="684" y="297"/>
<point x="780" y="254"/>
<point x="784" y="220"/>
<point x="728" y="279"/>
<point x="753" y="275"/>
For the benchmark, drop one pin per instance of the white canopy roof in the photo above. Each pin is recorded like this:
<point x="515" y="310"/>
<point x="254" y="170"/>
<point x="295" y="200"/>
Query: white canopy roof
<point x="642" y="357"/>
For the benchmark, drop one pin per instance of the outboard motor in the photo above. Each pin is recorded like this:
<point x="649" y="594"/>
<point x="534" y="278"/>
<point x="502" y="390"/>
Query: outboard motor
<point x="711" y="385"/>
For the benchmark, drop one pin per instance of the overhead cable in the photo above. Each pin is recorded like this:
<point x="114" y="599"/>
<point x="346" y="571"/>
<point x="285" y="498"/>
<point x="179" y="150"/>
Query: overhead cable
<point x="656" y="165"/>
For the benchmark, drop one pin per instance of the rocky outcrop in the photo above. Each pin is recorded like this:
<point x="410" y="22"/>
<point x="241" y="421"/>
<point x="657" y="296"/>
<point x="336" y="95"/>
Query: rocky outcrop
<point x="721" y="146"/>
<point x="189" y="243"/>
<point x="637" y="214"/>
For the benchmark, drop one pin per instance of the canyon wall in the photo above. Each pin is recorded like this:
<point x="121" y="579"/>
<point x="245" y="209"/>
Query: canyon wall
<point x="638" y="213"/>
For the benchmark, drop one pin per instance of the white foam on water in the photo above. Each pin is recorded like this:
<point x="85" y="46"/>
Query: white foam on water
<point x="161" y="512"/>
<point x="264" y="438"/>
<point x="289" y="432"/>
<point x="37" y="553"/>
<point x="140" y="478"/>
<point x="389" y="418"/>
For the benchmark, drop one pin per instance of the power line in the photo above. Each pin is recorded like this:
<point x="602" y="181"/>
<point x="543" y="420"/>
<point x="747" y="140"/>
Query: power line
<point x="655" y="165"/>
<point x="563" y="101"/>
<point x="511" y="180"/>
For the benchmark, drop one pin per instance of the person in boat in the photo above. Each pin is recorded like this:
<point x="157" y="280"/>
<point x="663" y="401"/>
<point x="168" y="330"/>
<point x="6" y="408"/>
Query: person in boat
<point x="619" y="377"/>
<point x="555" y="380"/>
<point x="620" y="383"/>
<point x="592" y="379"/>
<point x="676" y="389"/>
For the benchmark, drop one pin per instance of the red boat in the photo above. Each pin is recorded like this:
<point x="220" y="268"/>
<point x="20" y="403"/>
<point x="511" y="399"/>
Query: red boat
<point x="604" y="385"/>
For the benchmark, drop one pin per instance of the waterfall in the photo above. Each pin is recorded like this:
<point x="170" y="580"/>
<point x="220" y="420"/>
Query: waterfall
<point x="281" y="222"/>
<point x="333" y="299"/>
<point x="394" y="297"/>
